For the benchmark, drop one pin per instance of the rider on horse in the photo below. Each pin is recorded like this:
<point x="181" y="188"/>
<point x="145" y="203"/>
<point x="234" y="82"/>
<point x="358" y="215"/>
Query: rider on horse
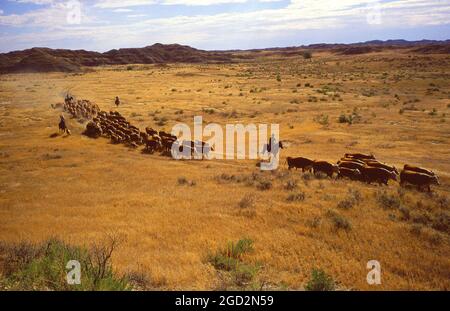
<point x="62" y="124"/>
<point x="272" y="143"/>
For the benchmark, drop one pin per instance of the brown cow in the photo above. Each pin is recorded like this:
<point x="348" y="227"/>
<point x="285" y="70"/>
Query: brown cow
<point x="351" y="164"/>
<point x="351" y="160"/>
<point x="382" y="165"/>
<point x="418" y="179"/>
<point x="325" y="167"/>
<point x="152" y="145"/>
<point x="360" y="156"/>
<point x="408" y="167"/>
<point x="377" y="174"/>
<point x="353" y="174"/>
<point x="300" y="162"/>
<point x="150" y="131"/>
<point x="167" y="144"/>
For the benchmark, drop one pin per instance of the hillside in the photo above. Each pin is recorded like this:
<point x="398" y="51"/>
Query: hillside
<point x="61" y="60"/>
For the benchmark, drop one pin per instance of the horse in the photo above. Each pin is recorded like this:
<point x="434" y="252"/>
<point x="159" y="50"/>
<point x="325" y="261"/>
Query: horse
<point x="63" y="127"/>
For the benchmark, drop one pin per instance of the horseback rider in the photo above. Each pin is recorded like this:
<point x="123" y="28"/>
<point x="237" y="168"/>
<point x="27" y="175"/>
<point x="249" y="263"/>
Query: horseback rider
<point x="117" y="101"/>
<point x="62" y="123"/>
<point x="68" y="98"/>
<point x="272" y="143"/>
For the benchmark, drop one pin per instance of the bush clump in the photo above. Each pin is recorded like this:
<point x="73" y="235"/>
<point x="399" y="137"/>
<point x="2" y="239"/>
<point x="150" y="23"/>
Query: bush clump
<point x="320" y="281"/>
<point x="387" y="201"/>
<point x="296" y="197"/>
<point x="339" y="221"/>
<point x="43" y="267"/>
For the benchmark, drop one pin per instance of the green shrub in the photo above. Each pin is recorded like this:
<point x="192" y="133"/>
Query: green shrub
<point x="345" y="204"/>
<point x="264" y="185"/>
<point x="441" y="222"/>
<point x="320" y="281"/>
<point x="228" y="258"/>
<point x="43" y="267"/>
<point x="353" y="198"/>
<point x="307" y="54"/>
<point x="322" y="119"/>
<point x="339" y="221"/>
<point x="387" y="201"/>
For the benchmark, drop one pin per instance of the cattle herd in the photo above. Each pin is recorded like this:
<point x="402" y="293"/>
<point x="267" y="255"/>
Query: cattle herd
<point x="355" y="166"/>
<point x="80" y="109"/>
<point x="119" y="130"/>
<point x="366" y="168"/>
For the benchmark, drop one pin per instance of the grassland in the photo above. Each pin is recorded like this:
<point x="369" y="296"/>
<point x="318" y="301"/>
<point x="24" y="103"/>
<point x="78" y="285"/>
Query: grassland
<point x="77" y="189"/>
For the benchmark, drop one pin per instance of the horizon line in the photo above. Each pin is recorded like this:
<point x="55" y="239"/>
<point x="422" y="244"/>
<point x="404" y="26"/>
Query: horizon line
<point x="237" y="49"/>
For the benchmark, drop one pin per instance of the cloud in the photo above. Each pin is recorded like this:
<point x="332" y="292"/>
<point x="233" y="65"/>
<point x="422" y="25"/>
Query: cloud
<point x="53" y="16"/>
<point x="108" y="4"/>
<point x="34" y="1"/>
<point x="232" y="29"/>
<point x="200" y="2"/>
<point x="122" y="10"/>
<point x="136" y="15"/>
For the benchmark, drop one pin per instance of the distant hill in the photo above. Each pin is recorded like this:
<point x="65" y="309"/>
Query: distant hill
<point x="433" y="49"/>
<point x="60" y="60"/>
<point x="48" y="60"/>
<point x="160" y="53"/>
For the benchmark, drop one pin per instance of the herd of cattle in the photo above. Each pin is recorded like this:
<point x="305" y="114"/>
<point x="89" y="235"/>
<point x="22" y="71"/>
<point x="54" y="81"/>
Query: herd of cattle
<point x="80" y="109"/>
<point x="114" y="126"/>
<point x="366" y="168"/>
<point x="355" y="166"/>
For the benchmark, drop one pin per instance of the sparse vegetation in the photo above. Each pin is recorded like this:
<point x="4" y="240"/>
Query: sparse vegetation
<point x="353" y="198"/>
<point x="387" y="201"/>
<point x="48" y="180"/>
<point x="339" y="221"/>
<point x="307" y="54"/>
<point x="28" y="266"/>
<point x="320" y="281"/>
<point x="296" y="197"/>
<point x="232" y="260"/>
<point x="247" y="201"/>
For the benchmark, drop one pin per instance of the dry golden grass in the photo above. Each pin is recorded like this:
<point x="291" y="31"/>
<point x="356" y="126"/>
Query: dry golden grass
<point x="77" y="188"/>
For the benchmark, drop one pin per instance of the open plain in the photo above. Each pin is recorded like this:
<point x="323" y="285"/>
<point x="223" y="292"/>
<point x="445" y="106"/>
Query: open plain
<point x="171" y="215"/>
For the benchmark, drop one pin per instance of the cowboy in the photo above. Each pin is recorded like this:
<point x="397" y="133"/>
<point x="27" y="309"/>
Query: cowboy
<point x="117" y="101"/>
<point x="272" y="143"/>
<point x="62" y="124"/>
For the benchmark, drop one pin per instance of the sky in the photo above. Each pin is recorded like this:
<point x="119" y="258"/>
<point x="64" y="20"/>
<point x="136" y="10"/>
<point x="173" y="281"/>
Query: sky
<point x="102" y="25"/>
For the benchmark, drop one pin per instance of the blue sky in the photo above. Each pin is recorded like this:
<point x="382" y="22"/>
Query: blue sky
<point x="102" y="25"/>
